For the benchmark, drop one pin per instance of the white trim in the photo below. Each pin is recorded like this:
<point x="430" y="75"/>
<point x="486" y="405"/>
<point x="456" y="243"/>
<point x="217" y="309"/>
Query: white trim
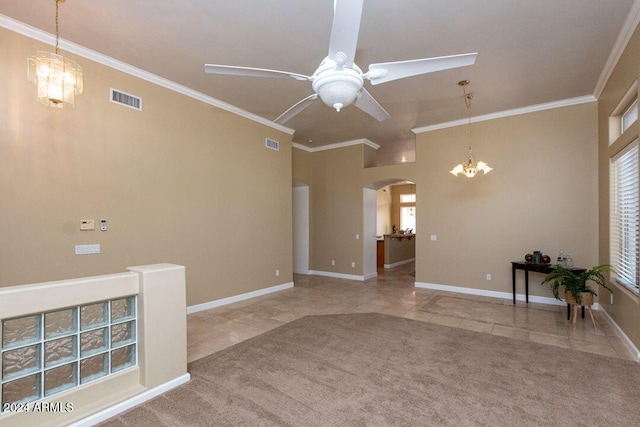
<point x="76" y="49"/>
<point x="370" y="276"/>
<point x="238" y="298"/>
<point x="620" y="333"/>
<point x="493" y="294"/>
<point x="337" y="275"/>
<point x="627" y="30"/>
<point x="508" y="113"/>
<point x="336" y="145"/>
<point x="305" y="272"/>
<point x="396" y="264"/>
<point x="130" y="403"/>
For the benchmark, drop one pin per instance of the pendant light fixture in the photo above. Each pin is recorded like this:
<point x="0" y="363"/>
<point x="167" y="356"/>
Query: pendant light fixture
<point x="58" y="79"/>
<point x="469" y="168"/>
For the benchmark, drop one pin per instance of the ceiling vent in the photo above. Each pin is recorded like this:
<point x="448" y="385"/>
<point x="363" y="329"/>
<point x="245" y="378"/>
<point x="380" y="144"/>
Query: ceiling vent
<point x="125" y="99"/>
<point x="270" y="143"/>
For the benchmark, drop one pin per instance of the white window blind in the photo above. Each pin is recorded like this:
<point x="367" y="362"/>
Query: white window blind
<point x="624" y="216"/>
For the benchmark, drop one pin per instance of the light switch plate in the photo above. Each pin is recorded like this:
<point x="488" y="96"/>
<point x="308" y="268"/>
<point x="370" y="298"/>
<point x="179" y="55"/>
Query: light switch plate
<point x="87" y="249"/>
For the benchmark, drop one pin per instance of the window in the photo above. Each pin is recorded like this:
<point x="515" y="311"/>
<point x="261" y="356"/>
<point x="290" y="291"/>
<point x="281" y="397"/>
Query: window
<point x="408" y="198"/>
<point x="630" y="116"/>
<point x="624" y="216"/>
<point x="408" y="211"/>
<point x="408" y="218"/>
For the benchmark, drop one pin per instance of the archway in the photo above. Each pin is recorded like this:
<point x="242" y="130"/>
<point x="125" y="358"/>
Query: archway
<point x="372" y="232"/>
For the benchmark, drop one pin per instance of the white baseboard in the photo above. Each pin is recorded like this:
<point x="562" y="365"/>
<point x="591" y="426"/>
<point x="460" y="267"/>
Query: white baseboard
<point x="370" y="276"/>
<point x="337" y="275"/>
<point x="130" y="403"/>
<point x="399" y="263"/>
<point x="305" y="272"/>
<point x="494" y="294"/>
<point x="238" y="298"/>
<point x="620" y="333"/>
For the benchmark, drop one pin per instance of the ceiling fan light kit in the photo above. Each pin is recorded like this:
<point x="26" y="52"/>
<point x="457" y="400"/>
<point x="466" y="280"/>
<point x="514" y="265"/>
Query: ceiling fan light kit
<point x="338" y="81"/>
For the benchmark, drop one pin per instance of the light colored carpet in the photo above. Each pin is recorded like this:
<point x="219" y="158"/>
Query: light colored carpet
<point x="378" y="370"/>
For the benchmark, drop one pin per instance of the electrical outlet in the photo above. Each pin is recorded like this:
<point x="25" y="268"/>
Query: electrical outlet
<point x="333" y="262"/>
<point x="434" y="237"/>
<point x="277" y="273"/>
<point x="357" y="236"/>
<point x="488" y="276"/>
<point x="353" y="264"/>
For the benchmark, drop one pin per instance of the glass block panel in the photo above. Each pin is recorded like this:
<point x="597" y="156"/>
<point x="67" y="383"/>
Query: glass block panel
<point x="123" y="357"/>
<point x="58" y="323"/>
<point x="122" y="308"/>
<point x="93" y="367"/>
<point x="20" y="361"/>
<point x="123" y="333"/>
<point x="93" y="341"/>
<point x="23" y="390"/>
<point x="20" y="331"/>
<point x="93" y="315"/>
<point x="60" y="379"/>
<point x="59" y="351"/>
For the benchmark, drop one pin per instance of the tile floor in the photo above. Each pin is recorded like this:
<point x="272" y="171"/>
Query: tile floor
<point x="393" y="292"/>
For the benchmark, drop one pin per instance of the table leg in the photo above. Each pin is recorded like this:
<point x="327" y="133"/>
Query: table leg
<point x="526" y="285"/>
<point x="583" y="312"/>
<point x="568" y="311"/>
<point x="513" y="281"/>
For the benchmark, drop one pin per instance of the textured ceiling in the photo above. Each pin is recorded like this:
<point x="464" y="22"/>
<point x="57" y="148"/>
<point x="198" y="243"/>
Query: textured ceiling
<point x="529" y="52"/>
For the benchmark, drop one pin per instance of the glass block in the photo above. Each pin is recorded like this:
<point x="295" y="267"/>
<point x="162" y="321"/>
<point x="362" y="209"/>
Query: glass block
<point x="20" y="331"/>
<point x="123" y="357"/>
<point x="122" y="308"/>
<point x="93" y="315"/>
<point x="59" y="351"/>
<point x="20" y="361"/>
<point x="60" y="379"/>
<point x="58" y="323"/>
<point x="122" y="333"/>
<point x="93" y="341"/>
<point x="23" y="390"/>
<point x="93" y="367"/>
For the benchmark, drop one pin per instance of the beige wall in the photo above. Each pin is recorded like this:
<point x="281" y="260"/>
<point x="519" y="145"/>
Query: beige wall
<point x="336" y="210"/>
<point x="180" y="182"/>
<point x="541" y="195"/>
<point x="625" y="309"/>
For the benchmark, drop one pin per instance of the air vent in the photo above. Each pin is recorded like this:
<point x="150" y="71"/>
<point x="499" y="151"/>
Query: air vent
<point x="270" y="143"/>
<point x="125" y="99"/>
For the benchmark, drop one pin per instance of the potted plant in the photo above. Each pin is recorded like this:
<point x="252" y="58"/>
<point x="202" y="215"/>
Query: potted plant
<point x="576" y="290"/>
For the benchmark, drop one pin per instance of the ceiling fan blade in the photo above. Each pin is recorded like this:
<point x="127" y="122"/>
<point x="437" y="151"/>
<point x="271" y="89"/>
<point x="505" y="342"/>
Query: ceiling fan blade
<point x="388" y="71"/>
<point x="296" y="108"/>
<point x="345" y="29"/>
<point x="369" y="105"/>
<point x="232" y="70"/>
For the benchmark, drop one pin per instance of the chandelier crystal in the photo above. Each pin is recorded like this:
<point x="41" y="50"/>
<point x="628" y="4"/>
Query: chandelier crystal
<point x="58" y="79"/>
<point x="470" y="168"/>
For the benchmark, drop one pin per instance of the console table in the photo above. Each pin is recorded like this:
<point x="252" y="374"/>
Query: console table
<point x="537" y="268"/>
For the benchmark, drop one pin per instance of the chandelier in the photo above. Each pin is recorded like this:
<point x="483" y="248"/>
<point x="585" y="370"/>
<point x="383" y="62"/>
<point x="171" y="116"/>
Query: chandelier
<point x="57" y="78"/>
<point x="469" y="168"/>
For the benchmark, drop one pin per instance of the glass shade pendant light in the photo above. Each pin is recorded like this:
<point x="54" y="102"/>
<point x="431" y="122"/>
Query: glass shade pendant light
<point x="58" y="79"/>
<point x="469" y="168"/>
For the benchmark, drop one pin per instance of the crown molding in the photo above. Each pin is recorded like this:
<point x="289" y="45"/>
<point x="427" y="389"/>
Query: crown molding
<point x="362" y="141"/>
<point x="627" y="30"/>
<point x="508" y="113"/>
<point x="76" y="49"/>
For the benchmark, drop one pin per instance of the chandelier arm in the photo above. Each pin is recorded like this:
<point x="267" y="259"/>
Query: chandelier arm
<point x="57" y="26"/>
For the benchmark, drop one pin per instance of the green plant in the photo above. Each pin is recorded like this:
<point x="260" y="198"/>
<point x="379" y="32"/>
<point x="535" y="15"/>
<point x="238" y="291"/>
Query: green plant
<point x="576" y="284"/>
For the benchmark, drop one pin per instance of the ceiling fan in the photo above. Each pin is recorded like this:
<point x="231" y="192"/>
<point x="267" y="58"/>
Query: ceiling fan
<point x="338" y="81"/>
